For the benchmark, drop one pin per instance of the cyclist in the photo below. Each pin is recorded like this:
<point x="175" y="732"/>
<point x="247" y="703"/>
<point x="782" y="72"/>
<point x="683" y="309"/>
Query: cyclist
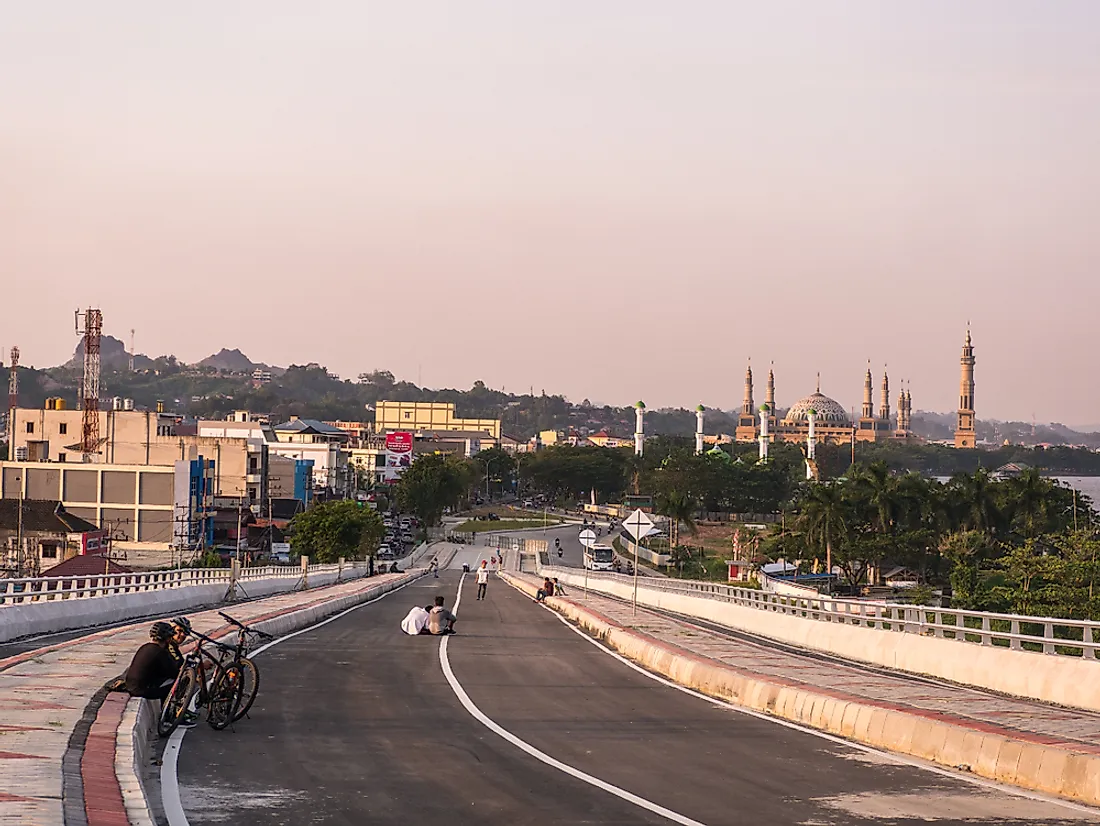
<point x="181" y="630"/>
<point x="152" y="670"/>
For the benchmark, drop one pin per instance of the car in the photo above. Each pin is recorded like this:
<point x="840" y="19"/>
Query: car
<point x="528" y="503"/>
<point x="492" y="517"/>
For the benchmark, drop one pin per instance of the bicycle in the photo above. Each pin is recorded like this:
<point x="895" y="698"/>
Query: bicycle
<point x="250" y="674"/>
<point x="220" y="693"/>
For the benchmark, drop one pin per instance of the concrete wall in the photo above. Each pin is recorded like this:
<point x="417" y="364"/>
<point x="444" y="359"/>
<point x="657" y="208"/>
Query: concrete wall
<point x="1067" y="681"/>
<point x="27" y="619"/>
<point x="644" y="553"/>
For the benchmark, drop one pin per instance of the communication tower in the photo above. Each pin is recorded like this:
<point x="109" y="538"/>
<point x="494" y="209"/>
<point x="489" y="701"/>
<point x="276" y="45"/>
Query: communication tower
<point x="131" y="350"/>
<point x="93" y="337"/>
<point x="13" y="380"/>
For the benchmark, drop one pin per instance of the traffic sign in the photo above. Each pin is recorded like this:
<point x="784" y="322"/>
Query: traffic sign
<point x="587" y="538"/>
<point x="639" y="525"/>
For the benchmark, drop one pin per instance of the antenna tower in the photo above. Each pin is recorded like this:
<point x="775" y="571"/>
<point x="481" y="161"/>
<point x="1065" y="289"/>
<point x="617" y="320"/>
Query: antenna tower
<point x="13" y="380"/>
<point x="131" y="350"/>
<point x="93" y="336"/>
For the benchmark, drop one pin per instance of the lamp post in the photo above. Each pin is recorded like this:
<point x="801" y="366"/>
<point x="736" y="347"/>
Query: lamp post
<point x="19" y="555"/>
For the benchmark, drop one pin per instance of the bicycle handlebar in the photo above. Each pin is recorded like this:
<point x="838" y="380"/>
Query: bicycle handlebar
<point x="219" y="645"/>
<point x="244" y="627"/>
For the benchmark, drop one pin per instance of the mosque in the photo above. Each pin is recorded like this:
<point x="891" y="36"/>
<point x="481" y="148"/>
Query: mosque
<point x="820" y="419"/>
<point x="831" y="422"/>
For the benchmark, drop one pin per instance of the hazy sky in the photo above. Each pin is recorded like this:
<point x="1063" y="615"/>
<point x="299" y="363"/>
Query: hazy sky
<point x="619" y="199"/>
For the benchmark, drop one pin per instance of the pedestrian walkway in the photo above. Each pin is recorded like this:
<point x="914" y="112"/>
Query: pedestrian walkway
<point x="44" y="693"/>
<point x="1070" y="729"/>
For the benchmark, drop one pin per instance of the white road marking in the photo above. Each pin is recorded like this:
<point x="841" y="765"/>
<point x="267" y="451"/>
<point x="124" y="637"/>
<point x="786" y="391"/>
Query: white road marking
<point x="541" y="756"/>
<point x="892" y="756"/>
<point x="169" y="776"/>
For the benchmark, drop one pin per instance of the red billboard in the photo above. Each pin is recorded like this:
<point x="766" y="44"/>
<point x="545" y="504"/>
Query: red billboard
<point x="399" y="454"/>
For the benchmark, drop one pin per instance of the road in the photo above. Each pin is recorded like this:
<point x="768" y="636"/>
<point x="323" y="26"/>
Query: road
<point x="356" y="723"/>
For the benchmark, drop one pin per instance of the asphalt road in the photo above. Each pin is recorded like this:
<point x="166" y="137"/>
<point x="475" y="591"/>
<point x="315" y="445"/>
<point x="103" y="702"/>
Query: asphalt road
<point x="356" y="723"/>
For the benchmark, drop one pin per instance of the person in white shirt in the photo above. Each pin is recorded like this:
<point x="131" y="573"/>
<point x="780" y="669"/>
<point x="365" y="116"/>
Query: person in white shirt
<point x="482" y="579"/>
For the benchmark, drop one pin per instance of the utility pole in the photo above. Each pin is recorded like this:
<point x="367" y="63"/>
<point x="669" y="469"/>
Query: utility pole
<point x="20" y="556"/>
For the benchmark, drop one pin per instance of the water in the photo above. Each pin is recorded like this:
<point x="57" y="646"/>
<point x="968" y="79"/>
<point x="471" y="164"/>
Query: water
<point x="1088" y="485"/>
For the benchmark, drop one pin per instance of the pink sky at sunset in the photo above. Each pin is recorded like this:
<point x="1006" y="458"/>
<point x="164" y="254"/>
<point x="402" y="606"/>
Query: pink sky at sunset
<point x="614" y="200"/>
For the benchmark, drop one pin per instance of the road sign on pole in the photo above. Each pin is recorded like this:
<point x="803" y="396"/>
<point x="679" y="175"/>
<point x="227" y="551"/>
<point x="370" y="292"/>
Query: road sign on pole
<point x="639" y="526"/>
<point x="587" y="538"/>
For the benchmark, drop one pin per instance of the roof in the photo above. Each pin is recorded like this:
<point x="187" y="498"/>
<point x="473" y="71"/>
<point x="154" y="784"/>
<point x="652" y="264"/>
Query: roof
<point x="86" y="565"/>
<point x="306" y="425"/>
<point x="826" y="410"/>
<point x="42" y="516"/>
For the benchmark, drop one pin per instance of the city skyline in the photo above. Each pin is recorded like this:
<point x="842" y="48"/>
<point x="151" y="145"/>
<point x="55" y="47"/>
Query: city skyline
<point x="615" y="203"/>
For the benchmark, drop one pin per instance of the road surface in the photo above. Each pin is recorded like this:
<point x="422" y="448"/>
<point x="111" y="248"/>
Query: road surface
<point x="357" y="723"/>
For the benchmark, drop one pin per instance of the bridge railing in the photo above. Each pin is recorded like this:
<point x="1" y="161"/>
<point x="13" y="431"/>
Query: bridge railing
<point x="47" y="588"/>
<point x="1046" y="635"/>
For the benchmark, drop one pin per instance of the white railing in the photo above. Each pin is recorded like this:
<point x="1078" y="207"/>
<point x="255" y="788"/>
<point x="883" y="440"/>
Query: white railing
<point x="41" y="589"/>
<point x="1046" y="635"/>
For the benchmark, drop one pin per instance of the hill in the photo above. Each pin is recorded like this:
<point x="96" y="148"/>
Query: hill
<point x="229" y="361"/>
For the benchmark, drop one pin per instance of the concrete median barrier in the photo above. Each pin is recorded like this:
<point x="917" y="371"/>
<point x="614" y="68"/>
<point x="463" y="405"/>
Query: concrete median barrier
<point x="952" y="742"/>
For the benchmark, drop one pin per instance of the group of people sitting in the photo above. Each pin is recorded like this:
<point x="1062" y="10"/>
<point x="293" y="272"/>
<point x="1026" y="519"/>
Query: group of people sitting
<point x="432" y="619"/>
<point x="548" y="589"/>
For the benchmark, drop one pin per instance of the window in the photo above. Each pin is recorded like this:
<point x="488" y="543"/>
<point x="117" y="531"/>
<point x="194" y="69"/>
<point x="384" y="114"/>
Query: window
<point x="63" y="428"/>
<point x="253" y="464"/>
<point x="30" y="427"/>
<point x="408" y="414"/>
<point x="49" y="552"/>
<point x="61" y="457"/>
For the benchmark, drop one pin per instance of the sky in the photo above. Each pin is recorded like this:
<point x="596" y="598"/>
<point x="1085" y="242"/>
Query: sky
<point x="617" y="200"/>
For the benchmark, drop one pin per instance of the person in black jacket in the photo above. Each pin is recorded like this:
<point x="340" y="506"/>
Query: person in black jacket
<point x="153" y="670"/>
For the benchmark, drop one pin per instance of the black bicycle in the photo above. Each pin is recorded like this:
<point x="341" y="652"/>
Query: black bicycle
<point x="250" y="674"/>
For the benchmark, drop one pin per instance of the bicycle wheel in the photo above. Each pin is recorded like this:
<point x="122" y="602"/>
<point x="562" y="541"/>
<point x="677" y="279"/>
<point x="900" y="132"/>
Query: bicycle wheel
<point x="250" y="684"/>
<point x="225" y="696"/>
<point x="175" y="704"/>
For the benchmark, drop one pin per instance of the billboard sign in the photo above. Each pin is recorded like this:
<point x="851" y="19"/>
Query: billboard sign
<point x="399" y="454"/>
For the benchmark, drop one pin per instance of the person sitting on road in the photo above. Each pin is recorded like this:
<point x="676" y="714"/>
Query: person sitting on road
<point x="152" y="670"/>
<point x="181" y="629"/>
<point x="558" y="589"/>
<point x="547" y="590"/>
<point x="440" y="620"/>
<point x="416" y="621"/>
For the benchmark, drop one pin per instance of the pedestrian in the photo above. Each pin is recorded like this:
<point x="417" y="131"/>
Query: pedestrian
<point x="435" y="568"/>
<point x="482" y="579"/>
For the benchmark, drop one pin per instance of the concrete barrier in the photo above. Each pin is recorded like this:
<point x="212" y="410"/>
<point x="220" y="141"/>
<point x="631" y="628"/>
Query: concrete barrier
<point x="1065" y="681"/>
<point x="1030" y="764"/>
<point x="51" y="616"/>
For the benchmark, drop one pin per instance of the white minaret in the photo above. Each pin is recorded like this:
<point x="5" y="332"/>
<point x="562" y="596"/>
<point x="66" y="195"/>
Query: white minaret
<point x="764" y="413"/>
<point x="639" y="427"/>
<point x="699" y="429"/>
<point x="811" y="442"/>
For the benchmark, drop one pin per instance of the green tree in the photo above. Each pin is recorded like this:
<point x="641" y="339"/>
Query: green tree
<point x="431" y="484"/>
<point x="680" y="509"/>
<point x="966" y="550"/>
<point x="494" y="465"/>
<point x="824" y="518"/>
<point x="330" y="530"/>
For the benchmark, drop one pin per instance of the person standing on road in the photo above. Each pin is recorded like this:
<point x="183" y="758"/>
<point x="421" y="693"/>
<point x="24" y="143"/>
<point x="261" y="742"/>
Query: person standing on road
<point x="482" y="579"/>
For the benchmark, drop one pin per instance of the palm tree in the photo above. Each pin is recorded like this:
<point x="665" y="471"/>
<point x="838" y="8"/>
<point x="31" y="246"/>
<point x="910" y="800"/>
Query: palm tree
<point x="825" y="517"/>
<point x="678" y="507"/>
<point x="880" y="490"/>
<point x="976" y="501"/>
<point x="1029" y="501"/>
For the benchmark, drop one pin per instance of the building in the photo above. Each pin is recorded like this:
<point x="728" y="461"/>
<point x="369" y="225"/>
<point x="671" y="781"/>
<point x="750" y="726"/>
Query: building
<point x="321" y="443"/>
<point x="605" y="439"/>
<point x="831" y="421"/>
<point x="141" y="438"/>
<point x="414" y="416"/>
<point x="49" y="534"/>
<point x="965" y="431"/>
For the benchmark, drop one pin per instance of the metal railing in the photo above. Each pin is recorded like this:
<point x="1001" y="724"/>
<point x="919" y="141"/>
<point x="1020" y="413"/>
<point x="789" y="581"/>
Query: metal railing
<point x="1046" y="635"/>
<point x="39" y="589"/>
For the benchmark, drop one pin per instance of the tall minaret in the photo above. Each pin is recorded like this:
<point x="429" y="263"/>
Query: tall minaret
<point x="901" y="408"/>
<point x="747" y="407"/>
<point x="884" y="401"/>
<point x="965" y="435"/>
<point x="699" y="411"/>
<point x="769" y="399"/>
<point x="868" y="391"/>
<point x="908" y="410"/>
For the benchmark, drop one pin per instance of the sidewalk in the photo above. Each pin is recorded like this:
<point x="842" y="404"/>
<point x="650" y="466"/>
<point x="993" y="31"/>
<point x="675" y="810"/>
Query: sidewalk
<point x="1006" y="734"/>
<point x="44" y="694"/>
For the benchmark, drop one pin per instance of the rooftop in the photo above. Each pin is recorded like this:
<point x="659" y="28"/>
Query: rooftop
<point x="42" y="516"/>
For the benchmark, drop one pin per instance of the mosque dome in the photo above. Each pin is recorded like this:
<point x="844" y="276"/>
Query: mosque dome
<point x="826" y="410"/>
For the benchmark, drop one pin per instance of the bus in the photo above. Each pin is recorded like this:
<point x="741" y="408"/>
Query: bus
<point x="599" y="558"/>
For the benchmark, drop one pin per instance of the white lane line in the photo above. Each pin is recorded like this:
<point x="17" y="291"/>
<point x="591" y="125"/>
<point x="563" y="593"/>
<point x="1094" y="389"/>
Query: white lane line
<point x="897" y="758"/>
<point x="169" y="775"/>
<point x="541" y="756"/>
